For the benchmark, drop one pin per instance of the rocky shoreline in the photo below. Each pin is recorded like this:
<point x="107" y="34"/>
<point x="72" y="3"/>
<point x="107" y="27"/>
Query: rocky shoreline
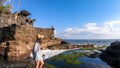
<point x="57" y="49"/>
<point x="72" y="46"/>
<point x="112" y="54"/>
<point x="50" y="53"/>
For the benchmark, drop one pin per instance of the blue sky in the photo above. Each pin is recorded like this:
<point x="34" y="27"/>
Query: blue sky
<point x="76" y="19"/>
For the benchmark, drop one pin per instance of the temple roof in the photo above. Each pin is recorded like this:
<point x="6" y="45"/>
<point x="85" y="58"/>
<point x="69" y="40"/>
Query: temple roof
<point x="24" y="13"/>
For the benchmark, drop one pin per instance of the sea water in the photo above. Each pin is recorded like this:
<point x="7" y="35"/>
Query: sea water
<point x="98" y="42"/>
<point x="86" y="62"/>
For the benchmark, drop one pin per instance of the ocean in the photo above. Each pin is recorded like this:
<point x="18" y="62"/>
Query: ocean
<point x="98" y="42"/>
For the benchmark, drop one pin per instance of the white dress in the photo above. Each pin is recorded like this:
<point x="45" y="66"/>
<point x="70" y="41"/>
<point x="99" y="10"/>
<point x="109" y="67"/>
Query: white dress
<point x="38" y="52"/>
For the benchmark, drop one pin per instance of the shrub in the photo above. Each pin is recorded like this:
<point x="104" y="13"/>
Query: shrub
<point x="5" y="9"/>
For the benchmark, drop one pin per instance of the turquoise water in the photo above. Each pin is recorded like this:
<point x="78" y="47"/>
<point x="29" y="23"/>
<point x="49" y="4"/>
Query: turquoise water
<point x="86" y="62"/>
<point x="93" y="62"/>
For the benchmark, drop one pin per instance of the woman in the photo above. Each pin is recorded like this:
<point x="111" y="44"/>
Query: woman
<point x="38" y="52"/>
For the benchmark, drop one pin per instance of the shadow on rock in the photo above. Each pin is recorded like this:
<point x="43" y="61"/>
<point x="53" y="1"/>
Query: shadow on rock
<point x="112" y="55"/>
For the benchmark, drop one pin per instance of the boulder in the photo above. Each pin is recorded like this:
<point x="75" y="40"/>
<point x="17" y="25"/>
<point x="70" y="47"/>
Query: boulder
<point x="112" y="54"/>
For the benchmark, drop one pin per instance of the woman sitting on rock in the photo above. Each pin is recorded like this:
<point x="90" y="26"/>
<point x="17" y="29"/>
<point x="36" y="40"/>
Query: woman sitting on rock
<point x="38" y="52"/>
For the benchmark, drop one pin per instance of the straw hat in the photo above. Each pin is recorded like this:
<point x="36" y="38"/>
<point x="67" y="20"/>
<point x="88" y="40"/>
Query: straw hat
<point x="40" y="36"/>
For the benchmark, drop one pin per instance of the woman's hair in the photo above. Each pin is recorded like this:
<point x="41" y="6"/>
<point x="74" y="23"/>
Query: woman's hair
<point x="39" y="41"/>
<point x="39" y="36"/>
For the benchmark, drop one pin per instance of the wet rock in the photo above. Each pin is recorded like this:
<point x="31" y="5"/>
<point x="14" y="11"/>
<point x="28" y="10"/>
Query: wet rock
<point x="64" y="42"/>
<point x="112" y="54"/>
<point x="70" y="46"/>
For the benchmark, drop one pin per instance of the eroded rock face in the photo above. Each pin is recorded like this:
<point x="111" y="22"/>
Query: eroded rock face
<point x="17" y="36"/>
<point x="112" y="54"/>
<point x="18" y="41"/>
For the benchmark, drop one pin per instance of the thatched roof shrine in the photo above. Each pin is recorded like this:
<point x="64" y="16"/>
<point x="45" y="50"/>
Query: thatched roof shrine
<point x="24" y="13"/>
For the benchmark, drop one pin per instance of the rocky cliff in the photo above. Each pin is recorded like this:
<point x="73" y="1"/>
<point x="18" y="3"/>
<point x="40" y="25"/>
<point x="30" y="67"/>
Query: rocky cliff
<point x="17" y="36"/>
<point x="49" y="38"/>
<point x="18" y="41"/>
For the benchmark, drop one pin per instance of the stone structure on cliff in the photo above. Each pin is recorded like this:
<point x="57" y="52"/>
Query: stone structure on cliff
<point x="49" y="38"/>
<point x="17" y="35"/>
<point x="112" y="55"/>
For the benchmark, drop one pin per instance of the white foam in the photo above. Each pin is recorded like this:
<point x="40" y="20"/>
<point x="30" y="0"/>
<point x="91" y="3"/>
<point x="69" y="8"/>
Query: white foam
<point x="50" y="53"/>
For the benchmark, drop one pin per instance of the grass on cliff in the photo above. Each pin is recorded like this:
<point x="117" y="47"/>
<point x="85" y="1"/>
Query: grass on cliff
<point x="68" y="58"/>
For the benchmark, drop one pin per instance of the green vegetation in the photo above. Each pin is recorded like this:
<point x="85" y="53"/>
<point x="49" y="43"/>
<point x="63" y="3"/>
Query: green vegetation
<point x="50" y="66"/>
<point x="5" y="8"/>
<point x="68" y="58"/>
<point x="71" y="57"/>
<point x="2" y="8"/>
<point x="74" y="62"/>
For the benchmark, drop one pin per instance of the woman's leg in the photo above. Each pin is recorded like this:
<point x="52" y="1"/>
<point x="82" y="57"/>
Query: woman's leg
<point x="37" y="64"/>
<point x="41" y="63"/>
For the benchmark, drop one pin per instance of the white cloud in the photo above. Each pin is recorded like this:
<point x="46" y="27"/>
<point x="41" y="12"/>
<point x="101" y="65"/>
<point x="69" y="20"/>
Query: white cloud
<point x="106" y="30"/>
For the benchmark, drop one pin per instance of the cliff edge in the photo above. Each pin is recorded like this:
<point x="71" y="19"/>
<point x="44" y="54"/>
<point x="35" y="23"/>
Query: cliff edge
<point x="17" y="36"/>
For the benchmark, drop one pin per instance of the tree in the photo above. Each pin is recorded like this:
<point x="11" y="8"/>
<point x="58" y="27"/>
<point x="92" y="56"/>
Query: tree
<point x="2" y="2"/>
